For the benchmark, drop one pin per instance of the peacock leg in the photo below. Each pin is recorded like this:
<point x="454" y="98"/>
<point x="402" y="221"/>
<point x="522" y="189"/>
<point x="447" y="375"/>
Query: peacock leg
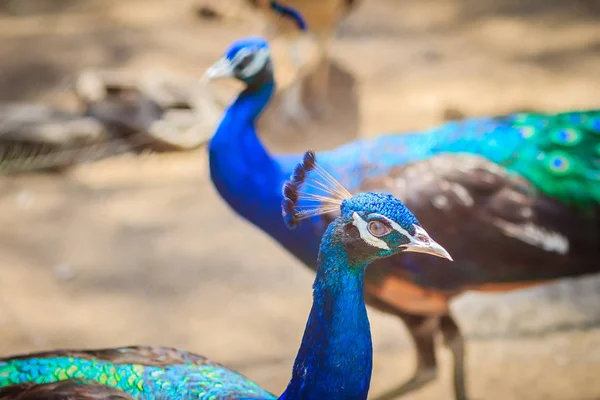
<point x="455" y="342"/>
<point x="423" y="330"/>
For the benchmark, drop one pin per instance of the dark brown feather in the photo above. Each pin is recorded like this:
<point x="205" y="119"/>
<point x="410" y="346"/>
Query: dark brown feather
<point x="495" y="225"/>
<point x="63" y="390"/>
<point x="476" y="208"/>
<point x="141" y="355"/>
<point x="470" y="205"/>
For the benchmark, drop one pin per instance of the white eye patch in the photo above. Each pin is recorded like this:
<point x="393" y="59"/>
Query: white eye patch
<point x="361" y="224"/>
<point x="261" y="57"/>
<point x="420" y="238"/>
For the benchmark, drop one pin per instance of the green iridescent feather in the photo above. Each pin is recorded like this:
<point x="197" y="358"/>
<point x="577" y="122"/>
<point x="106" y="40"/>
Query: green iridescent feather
<point x="558" y="153"/>
<point x="184" y="379"/>
<point x="561" y="155"/>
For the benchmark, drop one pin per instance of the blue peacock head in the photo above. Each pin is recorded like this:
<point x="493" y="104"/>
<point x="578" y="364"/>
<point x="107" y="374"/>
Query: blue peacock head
<point x="245" y="59"/>
<point x="371" y="225"/>
<point x="249" y="59"/>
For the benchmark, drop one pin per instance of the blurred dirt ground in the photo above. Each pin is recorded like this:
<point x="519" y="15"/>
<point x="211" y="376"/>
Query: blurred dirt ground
<point x="141" y="250"/>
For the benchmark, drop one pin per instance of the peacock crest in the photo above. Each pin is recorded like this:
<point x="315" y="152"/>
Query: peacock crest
<point x="311" y="191"/>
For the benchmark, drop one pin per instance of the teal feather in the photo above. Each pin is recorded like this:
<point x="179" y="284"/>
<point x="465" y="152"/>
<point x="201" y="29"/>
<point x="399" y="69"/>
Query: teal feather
<point x="175" y="381"/>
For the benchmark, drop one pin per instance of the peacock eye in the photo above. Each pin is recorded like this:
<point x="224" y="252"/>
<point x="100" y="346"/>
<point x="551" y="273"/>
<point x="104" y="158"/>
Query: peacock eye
<point x="378" y="228"/>
<point x="243" y="63"/>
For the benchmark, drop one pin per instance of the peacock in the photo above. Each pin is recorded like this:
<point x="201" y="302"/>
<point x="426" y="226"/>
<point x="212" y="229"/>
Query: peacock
<point x="335" y="357"/>
<point x="516" y="199"/>
<point x="39" y="137"/>
<point x="322" y="18"/>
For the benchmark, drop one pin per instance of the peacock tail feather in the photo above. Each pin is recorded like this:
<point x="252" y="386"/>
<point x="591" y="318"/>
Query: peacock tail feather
<point x="192" y="376"/>
<point x="558" y="153"/>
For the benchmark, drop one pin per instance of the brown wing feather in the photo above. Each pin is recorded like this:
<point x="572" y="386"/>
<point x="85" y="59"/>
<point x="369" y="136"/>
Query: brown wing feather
<point x="142" y="355"/>
<point x="63" y="390"/>
<point x="497" y="227"/>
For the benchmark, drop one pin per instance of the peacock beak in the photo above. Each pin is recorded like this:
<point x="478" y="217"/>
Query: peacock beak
<point x="423" y="243"/>
<point x="432" y="248"/>
<point x="220" y="69"/>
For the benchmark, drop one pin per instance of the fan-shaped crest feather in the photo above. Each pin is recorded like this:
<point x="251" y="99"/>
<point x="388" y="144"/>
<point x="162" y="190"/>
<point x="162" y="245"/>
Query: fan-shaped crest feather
<point x="311" y="191"/>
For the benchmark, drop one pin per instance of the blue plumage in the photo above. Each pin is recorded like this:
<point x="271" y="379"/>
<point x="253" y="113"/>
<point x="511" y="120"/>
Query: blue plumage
<point x="249" y="44"/>
<point x="385" y="202"/>
<point x="337" y="339"/>
<point x="508" y="193"/>
<point x="335" y="358"/>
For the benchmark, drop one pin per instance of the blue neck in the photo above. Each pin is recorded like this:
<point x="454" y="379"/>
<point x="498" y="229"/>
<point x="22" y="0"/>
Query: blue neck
<point x="247" y="177"/>
<point x="238" y="160"/>
<point x="336" y="354"/>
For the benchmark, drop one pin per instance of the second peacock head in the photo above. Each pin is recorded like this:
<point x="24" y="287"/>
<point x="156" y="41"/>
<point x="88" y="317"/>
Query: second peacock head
<point x="249" y="59"/>
<point x="245" y="59"/>
<point x="370" y="225"/>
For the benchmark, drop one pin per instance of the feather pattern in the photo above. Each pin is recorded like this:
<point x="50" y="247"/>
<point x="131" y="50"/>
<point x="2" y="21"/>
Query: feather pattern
<point x="71" y="389"/>
<point x="557" y="153"/>
<point x="477" y="208"/>
<point x="140" y="372"/>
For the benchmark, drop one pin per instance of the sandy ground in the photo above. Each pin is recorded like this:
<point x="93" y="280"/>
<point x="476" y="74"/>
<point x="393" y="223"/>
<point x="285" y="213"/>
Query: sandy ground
<point x="142" y="250"/>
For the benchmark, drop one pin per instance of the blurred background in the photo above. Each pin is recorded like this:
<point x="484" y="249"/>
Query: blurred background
<point x="139" y="249"/>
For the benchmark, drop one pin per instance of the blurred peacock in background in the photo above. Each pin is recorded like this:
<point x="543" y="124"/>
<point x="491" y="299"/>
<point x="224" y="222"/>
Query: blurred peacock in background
<point x="38" y="137"/>
<point x="335" y="357"/>
<point x="515" y="198"/>
<point x="321" y="18"/>
<point x="155" y="111"/>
